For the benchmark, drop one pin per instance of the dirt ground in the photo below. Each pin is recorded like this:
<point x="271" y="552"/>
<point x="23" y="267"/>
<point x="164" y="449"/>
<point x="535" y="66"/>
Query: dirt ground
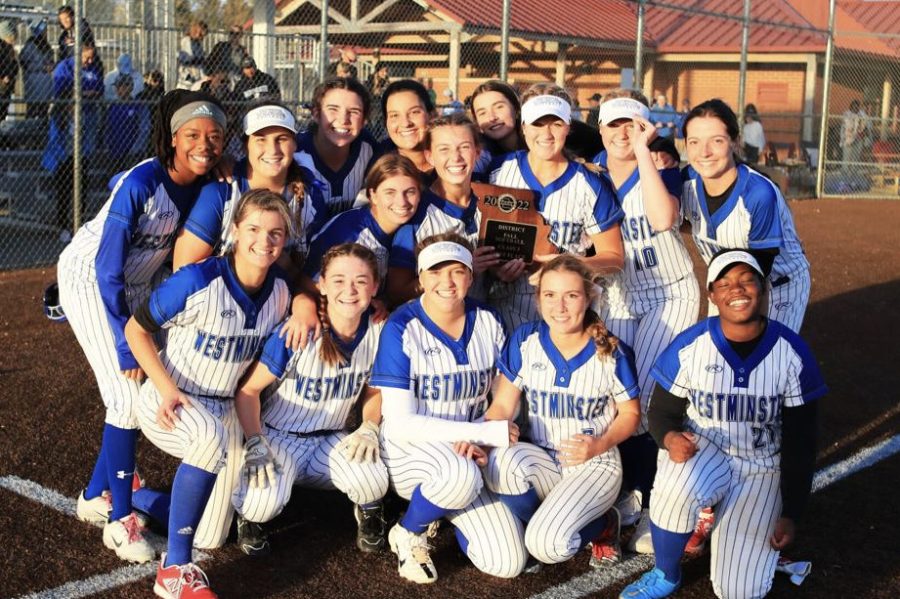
<point x="51" y="418"/>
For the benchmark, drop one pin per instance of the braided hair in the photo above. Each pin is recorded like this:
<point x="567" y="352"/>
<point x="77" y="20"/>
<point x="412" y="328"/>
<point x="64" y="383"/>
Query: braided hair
<point x="594" y="326"/>
<point x="162" y="133"/>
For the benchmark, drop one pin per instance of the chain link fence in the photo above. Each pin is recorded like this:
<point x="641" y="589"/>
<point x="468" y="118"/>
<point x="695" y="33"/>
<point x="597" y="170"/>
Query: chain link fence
<point x="679" y="52"/>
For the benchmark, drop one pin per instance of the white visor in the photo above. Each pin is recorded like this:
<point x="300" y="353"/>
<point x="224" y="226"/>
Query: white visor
<point x="726" y="259"/>
<point x="541" y="106"/>
<point x="622" y="108"/>
<point x="269" y="116"/>
<point x="444" y="251"/>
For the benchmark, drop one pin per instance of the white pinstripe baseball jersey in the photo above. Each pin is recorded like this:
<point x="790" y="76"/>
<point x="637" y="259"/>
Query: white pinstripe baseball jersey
<point x="450" y="377"/>
<point x="215" y="329"/>
<point x="755" y="216"/>
<point x="311" y="395"/>
<point x="435" y="215"/>
<point x="737" y="403"/>
<point x="212" y="217"/>
<point x="578" y="204"/>
<point x="652" y="258"/>
<point x="339" y="187"/>
<point x="566" y="397"/>
<point x="356" y="225"/>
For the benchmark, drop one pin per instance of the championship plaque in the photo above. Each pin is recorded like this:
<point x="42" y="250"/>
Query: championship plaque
<point x="510" y="222"/>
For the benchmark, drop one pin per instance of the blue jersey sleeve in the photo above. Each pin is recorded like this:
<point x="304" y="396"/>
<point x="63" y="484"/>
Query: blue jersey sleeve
<point x="392" y="365"/>
<point x="275" y="356"/>
<point x="809" y="385"/>
<point x="169" y="299"/>
<point x="671" y="178"/>
<point x="332" y="235"/>
<point x="510" y="361"/>
<point x="607" y="211"/>
<point x="318" y="215"/>
<point x="205" y="218"/>
<point x="115" y="243"/>
<point x="626" y="372"/>
<point x="667" y="367"/>
<point x="765" y="225"/>
<point x="403" y="253"/>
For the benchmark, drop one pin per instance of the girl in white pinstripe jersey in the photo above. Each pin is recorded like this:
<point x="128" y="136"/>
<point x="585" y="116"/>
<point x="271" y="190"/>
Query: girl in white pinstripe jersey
<point x="434" y="367"/>
<point x="108" y="270"/>
<point x="304" y="417"/>
<point x="575" y="201"/>
<point x="580" y="389"/>
<point x="218" y="313"/>
<point x="656" y="296"/>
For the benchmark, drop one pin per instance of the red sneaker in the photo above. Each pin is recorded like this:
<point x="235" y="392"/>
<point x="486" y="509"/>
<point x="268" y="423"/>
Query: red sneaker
<point x="605" y="548"/>
<point x="185" y="581"/>
<point x="697" y="543"/>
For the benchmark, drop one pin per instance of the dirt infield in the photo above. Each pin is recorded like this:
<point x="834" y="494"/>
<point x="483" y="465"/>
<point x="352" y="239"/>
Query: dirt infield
<point x="50" y="423"/>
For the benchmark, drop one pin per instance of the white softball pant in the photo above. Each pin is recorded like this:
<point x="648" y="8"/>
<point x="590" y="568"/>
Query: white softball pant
<point x="310" y="461"/>
<point x="455" y="483"/>
<point x="207" y="436"/>
<point x="571" y="498"/>
<point x="747" y="501"/>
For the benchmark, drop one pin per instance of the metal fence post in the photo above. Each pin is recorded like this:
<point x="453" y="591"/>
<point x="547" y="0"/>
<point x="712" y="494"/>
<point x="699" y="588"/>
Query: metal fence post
<point x="77" y="183"/>
<point x="504" y="41"/>
<point x="323" y="42"/>
<point x="639" y="48"/>
<point x="826" y="92"/>
<point x="742" y="79"/>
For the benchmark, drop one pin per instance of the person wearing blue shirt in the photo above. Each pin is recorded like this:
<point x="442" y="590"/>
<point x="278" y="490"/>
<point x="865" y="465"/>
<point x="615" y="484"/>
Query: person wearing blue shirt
<point x="662" y="115"/>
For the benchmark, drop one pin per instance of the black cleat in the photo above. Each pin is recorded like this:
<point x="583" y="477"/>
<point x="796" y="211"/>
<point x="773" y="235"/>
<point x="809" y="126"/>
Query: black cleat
<point x="252" y="538"/>
<point x="371" y="528"/>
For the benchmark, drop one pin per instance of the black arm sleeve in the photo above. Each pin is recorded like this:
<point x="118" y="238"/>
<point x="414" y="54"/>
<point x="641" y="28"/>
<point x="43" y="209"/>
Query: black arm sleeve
<point x="665" y="414"/>
<point x="145" y="319"/>
<point x="766" y="258"/>
<point x="798" y="457"/>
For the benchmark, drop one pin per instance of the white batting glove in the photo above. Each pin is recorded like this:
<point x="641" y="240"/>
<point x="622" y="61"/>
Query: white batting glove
<point x="260" y="467"/>
<point x="362" y="444"/>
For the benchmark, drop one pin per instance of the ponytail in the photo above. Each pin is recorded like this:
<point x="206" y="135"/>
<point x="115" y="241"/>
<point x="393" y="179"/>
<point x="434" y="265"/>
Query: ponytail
<point x="605" y="341"/>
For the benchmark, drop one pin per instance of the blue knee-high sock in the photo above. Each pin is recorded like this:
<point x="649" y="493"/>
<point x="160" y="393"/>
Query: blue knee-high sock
<point x="98" y="482"/>
<point x="523" y="505"/>
<point x="153" y="502"/>
<point x="190" y="492"/>
<point x="119" y="446"/>
<point x="591" y="530"/>
<point x="462" y="540"/>
<point x="668" y="547"/>
<point x="421" y="513"/>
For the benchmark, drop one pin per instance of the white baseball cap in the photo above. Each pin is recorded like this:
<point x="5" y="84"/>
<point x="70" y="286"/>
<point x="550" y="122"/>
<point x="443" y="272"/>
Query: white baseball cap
<point x="725" y="259"/>
<point x="541" y="106"/>
<point x="444" y="251"/>
<point x="622" y="108"/>
<point x="269" y="115"/>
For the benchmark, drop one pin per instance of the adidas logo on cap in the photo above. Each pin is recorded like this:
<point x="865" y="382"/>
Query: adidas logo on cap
<point x="202" y="110"/>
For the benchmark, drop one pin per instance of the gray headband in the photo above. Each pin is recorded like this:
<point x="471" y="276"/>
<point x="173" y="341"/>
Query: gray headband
<point x="197" y="110"/>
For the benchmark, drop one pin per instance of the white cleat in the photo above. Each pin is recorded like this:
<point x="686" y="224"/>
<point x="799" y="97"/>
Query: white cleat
<point x="126" y="539"/>
<point x="94" y="510"/>
<point x="412" y="551"/>
<point x="641" y="541"/>
<point x="629" y="507"/>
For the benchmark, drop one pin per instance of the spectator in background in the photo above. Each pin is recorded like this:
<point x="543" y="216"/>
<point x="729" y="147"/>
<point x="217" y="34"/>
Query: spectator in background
<point x="123" y="67"/>
<point x="754" y="139"/>
<point x="36" y="60"/>
<point x="254" y="84"/>
<point x="154" y="90"/>
<point x="218" y="85"/>
<point x="9" y="66"/>
<point x="679" y="126"/>
<point x="231" y="53"/>
<point x="66" y="17"/>
<point x="453" y="105"/>
<point x="853" y="131"/>
<point x="376" y="84"/>
<point x="346" y="66"/>
<point x="428" y="82"/>
<point x="662" y="115"/>
<point x="593" y="115"/>
<point x="123" y="141"/>
<point x="868" y="112"/>
<point x="57" y="157"/>
<point x="191" y="56"/>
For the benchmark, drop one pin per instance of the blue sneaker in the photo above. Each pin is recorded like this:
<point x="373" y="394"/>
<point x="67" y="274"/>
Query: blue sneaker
<point x="652" y="585"/>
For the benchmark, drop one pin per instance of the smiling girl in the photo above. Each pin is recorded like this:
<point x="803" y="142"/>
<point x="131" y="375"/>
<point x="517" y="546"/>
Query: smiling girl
<point x="217" y="313"/>
<point x="107" y="272"/>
